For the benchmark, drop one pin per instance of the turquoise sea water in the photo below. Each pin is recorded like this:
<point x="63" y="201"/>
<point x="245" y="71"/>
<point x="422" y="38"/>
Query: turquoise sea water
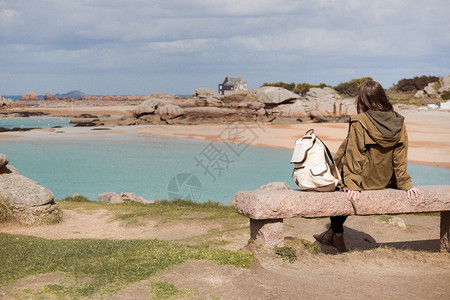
<point x="157" y="167"/>
<point x="34" y="122"/>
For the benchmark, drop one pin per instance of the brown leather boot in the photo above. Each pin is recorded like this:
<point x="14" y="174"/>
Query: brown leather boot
<point x="325" y="237"/>
<point x="338" y="242"/>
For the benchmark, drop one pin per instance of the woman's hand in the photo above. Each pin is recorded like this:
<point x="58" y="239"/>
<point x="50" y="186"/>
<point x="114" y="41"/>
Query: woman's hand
<point x="353" y="195"/>
<point x="412" y="193"/>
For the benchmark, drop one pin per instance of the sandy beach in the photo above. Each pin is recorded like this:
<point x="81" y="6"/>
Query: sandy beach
<point x="428" y="131"/>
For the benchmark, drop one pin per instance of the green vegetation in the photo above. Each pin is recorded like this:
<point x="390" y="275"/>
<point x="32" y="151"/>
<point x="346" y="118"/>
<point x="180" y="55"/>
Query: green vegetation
<point x="299" y="88"/>
<point x="101" y="266"/>
<point x="414" y="84"/>
<point x="167" y="211"/>
<point x="76" y="198"/>
<point x="402" y="92"/>
<point x="105" y="266"/>
<point x="303" y="88"/>
<point x="287" y="253"/>
<point x="350" y="88"/>
<point x="166" y="290"/>
<point x="384" y="218"/>
<point x="445" y="95"/>
<point x="288" y="86"/>
<point x="304" y="247"/>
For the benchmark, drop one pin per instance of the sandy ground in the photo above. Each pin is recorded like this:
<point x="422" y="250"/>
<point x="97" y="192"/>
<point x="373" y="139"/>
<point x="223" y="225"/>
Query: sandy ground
<point x="93" y="110"/>
<point x="377" y="272"/>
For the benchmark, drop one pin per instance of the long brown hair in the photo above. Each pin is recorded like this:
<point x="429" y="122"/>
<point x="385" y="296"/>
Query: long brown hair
<point x="371" y="95"/>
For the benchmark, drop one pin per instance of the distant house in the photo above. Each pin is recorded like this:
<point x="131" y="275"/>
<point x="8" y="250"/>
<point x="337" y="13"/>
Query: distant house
<point x="231" y="84"/>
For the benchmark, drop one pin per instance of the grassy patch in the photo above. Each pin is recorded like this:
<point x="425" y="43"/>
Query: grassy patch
<point x="287" y="253"/>
<point x="302" y="245"/>
<point x="166" y="290"/>
<point x="76" y="198"/>
<point x="384" y="218"/>
<point x="108" y="264"/>
<point x="429" y="214"/>
<point x="134" y="213"/>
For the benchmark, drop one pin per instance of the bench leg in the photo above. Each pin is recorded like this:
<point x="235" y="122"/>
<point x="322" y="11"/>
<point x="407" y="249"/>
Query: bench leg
<point x="445" y="231"/>
<point x="269" y="232"/>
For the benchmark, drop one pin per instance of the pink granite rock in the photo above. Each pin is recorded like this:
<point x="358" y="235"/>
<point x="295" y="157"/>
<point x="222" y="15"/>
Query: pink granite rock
<point x="267" y="208"/>
<point x="267" y="232"/>
<point x="30" y="96"/>
<point x="261" y="204"/>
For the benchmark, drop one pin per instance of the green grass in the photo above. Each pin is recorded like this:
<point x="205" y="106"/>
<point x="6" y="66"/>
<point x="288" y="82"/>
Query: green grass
<point x="287" y="253"/>
<point x="76" y="198"/>
<point x="168" y="210"/>
<point x="166" y="290"/>
<point x="303" y="246"/>
<point x="103" y="266"/>
<point x="384" y="218"/>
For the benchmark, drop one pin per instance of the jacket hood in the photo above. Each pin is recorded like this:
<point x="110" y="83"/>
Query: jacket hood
<point x="383" y="127"/>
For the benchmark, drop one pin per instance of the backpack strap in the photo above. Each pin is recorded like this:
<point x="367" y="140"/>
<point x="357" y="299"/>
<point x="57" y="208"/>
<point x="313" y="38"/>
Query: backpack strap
<point x="330" y="161"/>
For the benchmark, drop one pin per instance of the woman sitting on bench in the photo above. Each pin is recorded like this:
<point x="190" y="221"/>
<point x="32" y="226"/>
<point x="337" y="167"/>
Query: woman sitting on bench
<point x="373" y="156"/>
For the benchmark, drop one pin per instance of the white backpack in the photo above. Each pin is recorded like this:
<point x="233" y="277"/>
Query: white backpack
<point x="314" y="166"/>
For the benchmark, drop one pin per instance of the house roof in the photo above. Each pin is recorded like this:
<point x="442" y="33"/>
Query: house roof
<point x="232" y="81"/>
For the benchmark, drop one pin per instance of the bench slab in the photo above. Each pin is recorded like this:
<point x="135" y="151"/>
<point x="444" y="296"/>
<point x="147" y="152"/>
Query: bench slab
<point x="263" y="205"/>
<point x="267" y="209"/>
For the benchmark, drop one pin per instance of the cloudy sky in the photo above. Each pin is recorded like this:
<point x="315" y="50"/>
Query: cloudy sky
<point x="175" y="46"/>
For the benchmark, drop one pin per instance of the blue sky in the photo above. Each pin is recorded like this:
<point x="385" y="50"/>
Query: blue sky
<point x="148" y="46"/>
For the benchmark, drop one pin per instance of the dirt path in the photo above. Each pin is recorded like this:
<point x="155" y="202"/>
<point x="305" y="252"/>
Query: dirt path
<point x="377" y="272"/>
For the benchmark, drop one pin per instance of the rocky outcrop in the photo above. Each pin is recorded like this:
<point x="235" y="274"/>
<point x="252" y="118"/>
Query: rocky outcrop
<point x="276" y="105"/>
<point x="274" y="186"/>
<point x="434" y="89"/>
<point x="319" y="104"/>
<point x="155" y="111"/>
<point x="207" y="97"/>
<point x="206" y="92"/>
<point x="111" y="197"/>
<point x="445" y="84"/>
<point x="30" y="96"/>
<point x="47" y="96"/>
<point x="6" y="102"/>
<point x="274" y="95"/>
<point x="208" y="101"/>
<point x="86" y="122"/>
<point x="333" y="111"/>
<point x="24" y="200"/>
<point x="420" y="94"/>
<point x="297" y="110"/>
<point x="169" y="111"/>
<point x="149" y="106"/>
<point x="430" y="89"/>
<point x="3" y="160"/>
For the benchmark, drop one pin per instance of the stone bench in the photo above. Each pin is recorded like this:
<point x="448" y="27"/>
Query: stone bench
<point x="267" y="209"/>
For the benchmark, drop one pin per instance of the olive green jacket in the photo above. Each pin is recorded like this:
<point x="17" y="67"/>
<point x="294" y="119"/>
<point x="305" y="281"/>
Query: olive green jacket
<point x="369" y="160"/>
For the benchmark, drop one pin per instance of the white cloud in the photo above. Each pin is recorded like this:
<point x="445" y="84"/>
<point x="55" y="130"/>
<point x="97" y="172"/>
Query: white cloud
<point x="8" y="19"/>
<point x="295" y="39"/>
